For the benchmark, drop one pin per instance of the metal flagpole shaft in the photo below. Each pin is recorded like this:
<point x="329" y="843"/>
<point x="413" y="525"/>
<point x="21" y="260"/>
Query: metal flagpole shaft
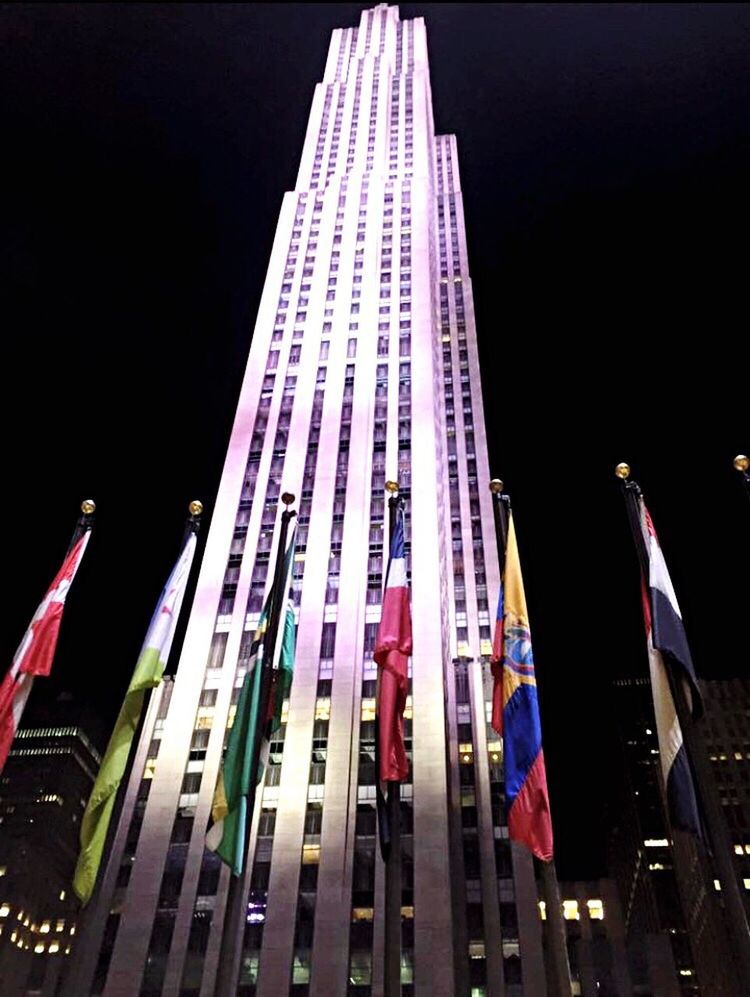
<point x="742" y="464"/>
<point x="392" y="953"/>
<point x="705" y="786"/>
<point x="557" y="935"/>
<point x="559" y="975"/>
<point x="233" y="932"/>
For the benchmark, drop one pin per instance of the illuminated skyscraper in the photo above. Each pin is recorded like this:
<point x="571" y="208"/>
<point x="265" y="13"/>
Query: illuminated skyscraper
<point x="363" y="368"/>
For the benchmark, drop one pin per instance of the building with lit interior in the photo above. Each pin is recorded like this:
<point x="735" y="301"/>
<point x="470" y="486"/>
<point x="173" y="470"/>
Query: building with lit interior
<point x="44" y="787"/>
<point x="674" y="926"/>
<point x="363" y="367"/>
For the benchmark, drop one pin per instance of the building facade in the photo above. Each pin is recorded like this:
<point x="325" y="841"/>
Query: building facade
<point x="727" y="736"/>
<point x="363" y="368"/>
<point x="675" y="926"/>
<point x="595" y="929"/>
<point x="44" y="787"/>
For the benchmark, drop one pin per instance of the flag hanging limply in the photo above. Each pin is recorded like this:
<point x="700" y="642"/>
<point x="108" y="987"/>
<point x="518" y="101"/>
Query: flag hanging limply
<point x="515" y="713"/>
<point x="147" y="675"/>
<point x="37" y="649"/>
<point x="667" y="643"/>
<point x="240" y="769"/>
<point x="393" y="645"/>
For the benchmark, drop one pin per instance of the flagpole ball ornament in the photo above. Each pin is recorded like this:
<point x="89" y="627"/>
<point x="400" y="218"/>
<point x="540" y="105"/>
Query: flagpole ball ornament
<point x="88" y="507"/>
<point x="195" y="508"/>
<point x="623" y="471"/>
<point x="391" y="486"/>
<point x="287" y="498"/>
<point x="741" y="463"/>
<point x="496" y="486"/>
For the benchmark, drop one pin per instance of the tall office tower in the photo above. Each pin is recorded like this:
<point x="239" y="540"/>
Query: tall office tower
<point x="363" y="368"/>
<point x="675" y="926"/>
<point x="727" y="736"/>
<point x="44" y="786"/>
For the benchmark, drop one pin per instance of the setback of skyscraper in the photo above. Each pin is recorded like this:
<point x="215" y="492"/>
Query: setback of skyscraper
<point x="363" y="368"/>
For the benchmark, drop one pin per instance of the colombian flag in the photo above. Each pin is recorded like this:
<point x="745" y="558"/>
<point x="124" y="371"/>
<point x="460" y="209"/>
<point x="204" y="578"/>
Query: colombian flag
<point x="515" y="713"/>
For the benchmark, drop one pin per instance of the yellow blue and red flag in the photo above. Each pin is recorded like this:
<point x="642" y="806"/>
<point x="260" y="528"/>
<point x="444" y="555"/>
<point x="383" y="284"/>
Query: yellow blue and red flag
<point x="515" y="713"/>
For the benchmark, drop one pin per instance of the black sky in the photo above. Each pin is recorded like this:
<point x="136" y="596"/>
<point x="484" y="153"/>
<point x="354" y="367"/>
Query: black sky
<point x="605" y="157"/>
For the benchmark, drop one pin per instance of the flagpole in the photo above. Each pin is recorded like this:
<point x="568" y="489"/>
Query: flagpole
<point x="85" y="522"/>
<point x="559" y="966"/>
<point x="235" y="913"/>
<point x="392" y="941"/>
<point x="91" y="922"/>
<point x="705" y="785"/>
<point x="742" y="464"/>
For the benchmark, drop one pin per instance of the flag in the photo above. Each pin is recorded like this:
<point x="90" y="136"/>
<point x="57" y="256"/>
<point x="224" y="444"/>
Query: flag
<point x="240" y="770"/>
<point x="515" y="713"/>
<point x="37" y="649"/>
<point x="393" y="646"/>
<point x="147" y="675"/>
<point x="667" y="647"/>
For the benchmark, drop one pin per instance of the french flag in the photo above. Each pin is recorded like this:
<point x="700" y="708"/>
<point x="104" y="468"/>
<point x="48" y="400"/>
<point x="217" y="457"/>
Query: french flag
<point x="392" y="649"/>
<point x="37" y="649"/>
<point x="667" y="646"/>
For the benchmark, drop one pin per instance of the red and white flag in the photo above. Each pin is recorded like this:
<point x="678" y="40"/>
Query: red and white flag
<point x="37" y="649"/>
<point x="392" y="650"/>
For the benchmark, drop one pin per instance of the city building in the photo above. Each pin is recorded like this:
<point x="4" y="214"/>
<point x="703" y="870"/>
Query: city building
<point x="675" y="928"/>
<point x="44" y="787"/>
<point x="363" y="368"/>
<point x="726" y="731"/>
<point x="597" y="951"/>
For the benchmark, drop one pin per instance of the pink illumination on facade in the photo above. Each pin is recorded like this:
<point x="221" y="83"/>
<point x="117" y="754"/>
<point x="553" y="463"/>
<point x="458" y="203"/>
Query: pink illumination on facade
<point x="363" y="367"/>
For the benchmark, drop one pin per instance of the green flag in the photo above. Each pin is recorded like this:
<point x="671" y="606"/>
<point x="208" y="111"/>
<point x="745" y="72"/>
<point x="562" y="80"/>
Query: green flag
<point x="240" y="770"/>
<point x="148" y="673"/>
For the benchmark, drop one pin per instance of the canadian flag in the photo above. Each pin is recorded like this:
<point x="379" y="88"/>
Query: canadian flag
<point x="37" y="649"/>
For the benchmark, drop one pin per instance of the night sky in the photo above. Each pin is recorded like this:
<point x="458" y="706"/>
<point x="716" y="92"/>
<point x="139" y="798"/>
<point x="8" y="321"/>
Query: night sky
<point x="605" y="157"/>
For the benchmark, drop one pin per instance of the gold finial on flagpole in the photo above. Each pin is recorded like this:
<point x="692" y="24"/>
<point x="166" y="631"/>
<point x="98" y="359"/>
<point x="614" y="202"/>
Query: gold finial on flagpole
<point x="88" y="507"/>
<point x="391" y="486"/>
<point x="195" y="508"/>
<point x="287" y="498"/>
<point x="623" y="471"/>
<point x="741" y="463"/>
<point x="496" y="486"/>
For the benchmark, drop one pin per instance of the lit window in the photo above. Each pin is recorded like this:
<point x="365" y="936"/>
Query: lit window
<point x="476" y="950"/>
<point x="362" y="914"/>
<point x="3" y="870"/>
<point x="746" y="883"/>
<point x="596" y="910"/>
<point x="543" y="910"/>
<point x="39" y="947"/>
<point x="4" y="910"/>
<point x="570" y="910"/>
<point x="738" y="850"/>
<point x="310" y="854"/>
<point x="53" y="947"/>
<point x="368" y="709"/>
<point x="44" y="928"/>
<point x="656" y="843"/>
<point x="323" y="709"/>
